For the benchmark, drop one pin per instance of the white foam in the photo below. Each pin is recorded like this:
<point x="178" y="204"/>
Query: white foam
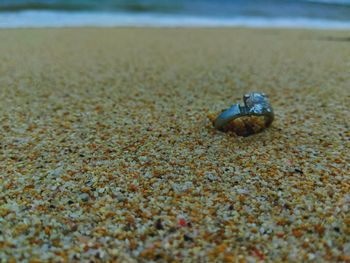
<point x="27" y="19"/>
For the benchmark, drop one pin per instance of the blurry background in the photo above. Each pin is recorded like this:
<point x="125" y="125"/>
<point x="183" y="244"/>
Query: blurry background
<point x="280" y="13"/>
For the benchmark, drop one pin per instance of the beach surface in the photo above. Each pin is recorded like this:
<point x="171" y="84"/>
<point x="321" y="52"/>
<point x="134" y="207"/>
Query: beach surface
<point x="108" y="154"/>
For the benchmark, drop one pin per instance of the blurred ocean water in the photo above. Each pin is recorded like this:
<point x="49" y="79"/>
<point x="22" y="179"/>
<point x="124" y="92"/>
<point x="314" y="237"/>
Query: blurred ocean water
<point x="265" y="13"/>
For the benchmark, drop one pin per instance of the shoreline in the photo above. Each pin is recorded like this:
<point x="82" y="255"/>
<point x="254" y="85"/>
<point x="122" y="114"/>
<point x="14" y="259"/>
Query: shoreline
<point x="57" y="19"/>
<point x="338" y="32"/>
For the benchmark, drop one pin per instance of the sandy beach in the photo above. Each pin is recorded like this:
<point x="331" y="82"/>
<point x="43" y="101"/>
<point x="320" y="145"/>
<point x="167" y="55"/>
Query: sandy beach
<point x="108" y="154"/>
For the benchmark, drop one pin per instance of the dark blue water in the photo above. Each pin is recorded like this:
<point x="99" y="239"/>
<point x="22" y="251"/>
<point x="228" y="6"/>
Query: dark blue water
<point x="328" y="12"/>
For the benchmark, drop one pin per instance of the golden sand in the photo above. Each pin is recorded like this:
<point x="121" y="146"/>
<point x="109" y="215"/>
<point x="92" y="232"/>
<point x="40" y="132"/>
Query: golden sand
<point x="107" y="151"/>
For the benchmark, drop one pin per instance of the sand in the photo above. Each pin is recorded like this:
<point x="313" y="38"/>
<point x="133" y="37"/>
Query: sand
<point x="108" y="154"/>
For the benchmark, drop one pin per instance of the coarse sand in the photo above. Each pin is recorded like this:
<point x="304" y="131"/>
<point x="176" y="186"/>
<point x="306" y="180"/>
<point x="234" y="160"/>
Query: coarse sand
<point x="107" y="152"/>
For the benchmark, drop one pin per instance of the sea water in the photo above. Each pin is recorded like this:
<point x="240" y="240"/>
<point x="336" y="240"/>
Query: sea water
<point x="173" y="13"/>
